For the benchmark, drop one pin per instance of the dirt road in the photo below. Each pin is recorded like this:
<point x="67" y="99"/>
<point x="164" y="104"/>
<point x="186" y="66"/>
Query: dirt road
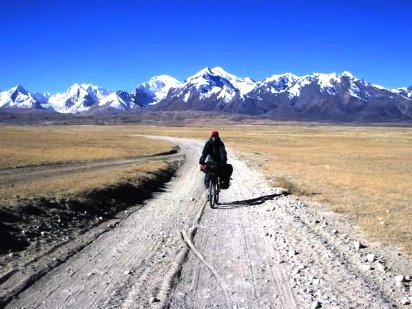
<point x="259" y="249"/>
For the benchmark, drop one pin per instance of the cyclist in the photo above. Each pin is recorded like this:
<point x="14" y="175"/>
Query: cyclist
<point x="215" y="150"/>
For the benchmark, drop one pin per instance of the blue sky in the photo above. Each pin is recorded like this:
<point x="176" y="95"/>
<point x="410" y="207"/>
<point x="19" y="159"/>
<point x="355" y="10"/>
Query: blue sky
<point x="49" y="45"/>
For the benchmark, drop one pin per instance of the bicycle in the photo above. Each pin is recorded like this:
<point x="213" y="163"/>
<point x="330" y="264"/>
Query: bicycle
<point x="214" y="183"/>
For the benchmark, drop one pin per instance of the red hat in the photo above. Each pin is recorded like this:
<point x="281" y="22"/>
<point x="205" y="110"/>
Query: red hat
<point x="214" y="134"/>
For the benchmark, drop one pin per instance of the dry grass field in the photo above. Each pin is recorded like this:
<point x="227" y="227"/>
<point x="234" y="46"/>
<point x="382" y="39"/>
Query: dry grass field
<point x="34" y="145"/>
<point x="76" y="184"/>
<point x="363" y="172"/>
<point x="26" y="146"/>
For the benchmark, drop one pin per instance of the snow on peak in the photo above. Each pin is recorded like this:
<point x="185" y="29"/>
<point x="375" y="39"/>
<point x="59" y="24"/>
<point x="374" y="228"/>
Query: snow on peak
<point x="79" y="97"/>
<point x="159" y="86"/>
<point x="378" y="86"/>
<point x="244" y="85"/>
<point x="221" y="72"/>
<point x="76" y="90"/>
<point x="17" y="97"/>
<point x="91" y="89"/>
<point x="325" y="80"/>
<point x="348" y="74"/>
<point x="406" y="92"/>
<point x="199" y="75"/>
<point x="286" y="76"/>
<point x="218" y="77"/>
<point x="159" y="82"/>
<point x="279" y="83"/>
<point x="117" y="100"/>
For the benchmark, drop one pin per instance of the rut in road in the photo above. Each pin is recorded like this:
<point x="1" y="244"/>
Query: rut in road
<point x="258" y="250"/>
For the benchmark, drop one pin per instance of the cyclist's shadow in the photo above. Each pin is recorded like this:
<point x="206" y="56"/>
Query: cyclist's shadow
<point x="250" y="202"/>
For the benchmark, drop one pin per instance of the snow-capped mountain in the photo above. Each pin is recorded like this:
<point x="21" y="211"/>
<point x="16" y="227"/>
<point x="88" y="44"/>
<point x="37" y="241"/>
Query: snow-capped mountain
<point x="209" y="89"/>
<point x="278" y="83"/>
<point x="404" y="91"/>
<point x="154" y="90"/>
<point x="244" y="85"/>
<point x="18" y="97"/>
<point x="78" y="98"/>
<point x="327" y="96"/>
<point x="316" y="96"/>
<point x="119" y="100"/>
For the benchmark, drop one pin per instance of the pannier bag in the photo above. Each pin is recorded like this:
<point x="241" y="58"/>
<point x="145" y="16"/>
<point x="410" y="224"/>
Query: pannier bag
<point x="226" y="172"/>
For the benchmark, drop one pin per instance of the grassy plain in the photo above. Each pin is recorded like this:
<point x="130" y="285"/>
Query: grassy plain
<point x="75" y="184"/>
<point x="24" y="146"/>
<point x="363" y="172"/>
<point x="36" y="145"/>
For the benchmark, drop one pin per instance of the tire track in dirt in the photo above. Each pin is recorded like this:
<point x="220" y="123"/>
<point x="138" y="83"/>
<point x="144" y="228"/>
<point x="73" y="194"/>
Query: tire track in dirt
<point x="230" y="241"/>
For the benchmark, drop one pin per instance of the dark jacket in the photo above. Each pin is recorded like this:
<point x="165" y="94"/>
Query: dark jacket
<point x="216" y="150"/>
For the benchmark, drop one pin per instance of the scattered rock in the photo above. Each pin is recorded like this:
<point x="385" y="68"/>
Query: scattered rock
<point x="405" y="301"/>
<point x="316" y="281"/>
<point x="357" y="245"/>
<point x="316" y="304"/>
<point x="380" y="267"/>
<point x="371" y="258"/>
<point x="153" y="300"/>
<point x="366" y="267"/>
<point x="292" y="252"/>
<point x="400" y="278"/>
<point x="301" y="267"/>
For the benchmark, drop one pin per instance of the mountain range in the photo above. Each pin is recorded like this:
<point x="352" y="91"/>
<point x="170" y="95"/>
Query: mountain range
<point x="318" y="96"/>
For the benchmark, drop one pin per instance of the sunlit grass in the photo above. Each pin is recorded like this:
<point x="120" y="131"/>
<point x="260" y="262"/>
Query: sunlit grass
<point x="36" y="145"/>
<point x="23" y="146"/>
<point x="79" y="182"/>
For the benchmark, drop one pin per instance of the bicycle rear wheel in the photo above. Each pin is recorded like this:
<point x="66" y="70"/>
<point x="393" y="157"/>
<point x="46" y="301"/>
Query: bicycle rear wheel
<point x="217" y="191"/>
<point x="212" y="191"/>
